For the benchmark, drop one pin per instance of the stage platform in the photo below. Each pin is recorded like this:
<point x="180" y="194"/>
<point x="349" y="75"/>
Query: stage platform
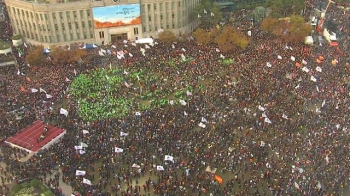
<point x="27" y="138"/>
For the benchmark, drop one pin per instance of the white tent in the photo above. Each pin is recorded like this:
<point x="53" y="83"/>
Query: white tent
<point x="309" y="40"/>
<point x="89" y="46"/>
<point x="144" y="41"/>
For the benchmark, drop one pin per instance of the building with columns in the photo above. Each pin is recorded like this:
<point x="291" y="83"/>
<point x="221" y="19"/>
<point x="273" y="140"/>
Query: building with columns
<point x="61" y="22"/>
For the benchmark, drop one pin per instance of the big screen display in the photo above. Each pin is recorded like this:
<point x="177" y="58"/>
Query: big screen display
<point x="115" y="16"/>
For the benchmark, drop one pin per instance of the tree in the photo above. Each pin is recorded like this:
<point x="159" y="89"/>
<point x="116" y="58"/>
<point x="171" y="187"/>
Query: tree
<point x="283" y="8"/>
<point x="269" y="24"/>
<point x="202" y="36"/>
<point x="167" y="36"/>
<point x="35" y="56"/>
<point x="229" y="39"/>
<point x="293" y="30"/>
<point x="35" y="183"/>
<point x="208" y="13"/>
<point x="61" y="55"/>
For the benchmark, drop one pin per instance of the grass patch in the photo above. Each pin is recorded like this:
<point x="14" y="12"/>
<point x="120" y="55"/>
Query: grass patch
<point x="34" y="187"/>
<point x="113" y="93"/>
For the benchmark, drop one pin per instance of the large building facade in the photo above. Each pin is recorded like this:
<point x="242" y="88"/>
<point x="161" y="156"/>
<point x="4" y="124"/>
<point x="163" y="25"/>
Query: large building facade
<point x="61" y="22"/>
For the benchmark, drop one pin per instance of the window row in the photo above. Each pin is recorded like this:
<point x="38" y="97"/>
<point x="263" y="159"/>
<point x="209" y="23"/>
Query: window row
<point x="43" y="16"/>
<point x="49" y="39"/>
<point x="44" y="27"/>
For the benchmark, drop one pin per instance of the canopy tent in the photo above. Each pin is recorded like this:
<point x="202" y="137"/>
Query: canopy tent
<point x="46" y="51"/>
<point x="309" y="40"/>
<point x="89" y="46"/>
<point x="144" y="41"/>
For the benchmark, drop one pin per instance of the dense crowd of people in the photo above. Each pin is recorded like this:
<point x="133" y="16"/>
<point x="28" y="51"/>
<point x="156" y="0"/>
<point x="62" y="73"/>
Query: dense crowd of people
<point x="276" y="122"/>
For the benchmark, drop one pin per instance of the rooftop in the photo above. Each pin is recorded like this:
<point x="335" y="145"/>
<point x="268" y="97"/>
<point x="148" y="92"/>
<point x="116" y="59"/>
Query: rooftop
<point x="4" y="45"/>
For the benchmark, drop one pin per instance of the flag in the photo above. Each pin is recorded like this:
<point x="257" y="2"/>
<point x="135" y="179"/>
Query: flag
<point x="42" y="90"/>
<point x="126" y="84"/>
<point x="160" y="168"/>
<point x="305" y="69"/>
<point x="199" y="16"/>
<point x="123" y="134"/>
<point x="34" y="90"/>
<point x="218" y="179"/>
<point x="81" y="152"/>
<point x="80" y="173"/>
<point x="86" y="181"/>
<point x="268" y="64"/>
<point x="313" y="79"/>
<point x="205" y="11"/>
<point x="135" y="165"/>
<point x="118" y="150"/>
<point x="22" y="89"/>
<point x="202" y="125"/>
<point x="285" y="116"/>
<point x="64" y="112"/>
<point x="78" y="147"/>
<point x="84" y="145"/>
<point x="212" y="14"/>
<point x="28" y="79"/>
<point x="319" y="69"/>
<point x="262" y="144"/>
<point x="182" y="102"/>
<point x="169" y="158"/>
<point x="185" y="113"/>
<point x="183" y="57"/>
<point x="86" y="132"/>
<point x="203" y="120"/>
<point x="296" y="185"/>
<point x="48" y="96"/>
<point x="67" y="80"/>
<point x="304" y="62"/>
<point x="267" y="120"/>
<point x="261" y="108"/>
